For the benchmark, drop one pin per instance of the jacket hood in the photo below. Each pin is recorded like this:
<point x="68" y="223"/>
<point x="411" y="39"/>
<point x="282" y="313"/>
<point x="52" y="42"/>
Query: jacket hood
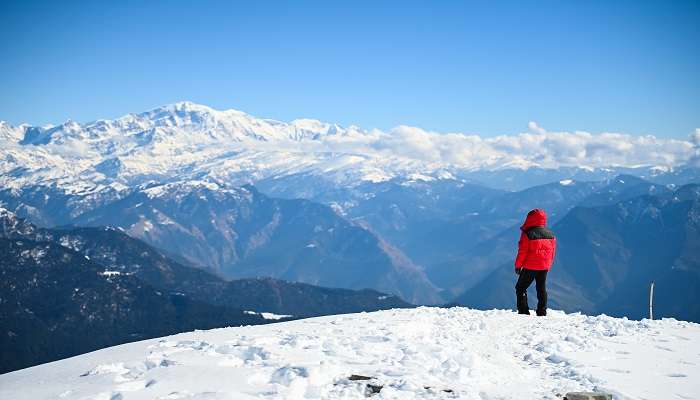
<point x="536" y="217"/>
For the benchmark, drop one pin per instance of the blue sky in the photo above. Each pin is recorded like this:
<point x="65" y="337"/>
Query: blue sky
<point x="473" y="67"/>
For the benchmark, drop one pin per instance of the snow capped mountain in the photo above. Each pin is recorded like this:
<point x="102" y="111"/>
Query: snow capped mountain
<point x="178" y="140"/>
<point x="190" y="141"/>
<point x="425" y="353"/>
<point x="10" y="133"/>
<point x="184" y="121"/>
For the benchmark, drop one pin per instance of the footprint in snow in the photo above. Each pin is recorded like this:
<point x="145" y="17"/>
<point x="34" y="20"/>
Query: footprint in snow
<point x="238" y="355"/>
<point x="619" y="371"/>
<point x="133" y="386"/>
<point x="129" y="376"/>
<point x="103" y="369"/>
<point x="287" y="375"/>
<point x="684" y="397"/>
<point x="198" y="345"/>
<point x="374" y="339"/>
<point x="681" y="337"/>
<point x="108" y="396"/>
<point x="185" y="395"/>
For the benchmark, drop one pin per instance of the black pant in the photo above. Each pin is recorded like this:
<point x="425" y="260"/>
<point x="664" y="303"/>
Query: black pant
<point x="524" y="281"/>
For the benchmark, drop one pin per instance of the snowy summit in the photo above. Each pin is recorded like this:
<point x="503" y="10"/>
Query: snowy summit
<point x="423" y="353"/>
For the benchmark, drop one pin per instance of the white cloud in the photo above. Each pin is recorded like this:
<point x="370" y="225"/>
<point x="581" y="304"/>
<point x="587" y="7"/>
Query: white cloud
<point x="695" y="137"/>
<point x="537" y="147"/>
<point x="532" y="125"/>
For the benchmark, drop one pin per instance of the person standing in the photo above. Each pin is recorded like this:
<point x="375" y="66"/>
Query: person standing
<point x="536" y="250"/>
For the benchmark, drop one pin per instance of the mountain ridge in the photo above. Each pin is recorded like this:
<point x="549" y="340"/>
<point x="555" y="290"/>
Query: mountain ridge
<point x="185" y="140"/>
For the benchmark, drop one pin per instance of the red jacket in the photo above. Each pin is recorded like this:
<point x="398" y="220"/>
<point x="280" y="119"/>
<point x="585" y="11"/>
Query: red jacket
<point x="537" y="244"/>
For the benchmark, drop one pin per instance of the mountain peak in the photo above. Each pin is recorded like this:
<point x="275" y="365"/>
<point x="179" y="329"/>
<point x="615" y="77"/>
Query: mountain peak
<point x="189" y="106"/>
<point x="177" y="108"/>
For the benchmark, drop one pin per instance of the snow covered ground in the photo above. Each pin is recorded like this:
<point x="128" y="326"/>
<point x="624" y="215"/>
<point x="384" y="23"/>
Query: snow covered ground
<point x="423" y="353"/>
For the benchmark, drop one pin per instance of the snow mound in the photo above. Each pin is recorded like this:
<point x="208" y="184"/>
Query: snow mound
<point x="423" y="353"/>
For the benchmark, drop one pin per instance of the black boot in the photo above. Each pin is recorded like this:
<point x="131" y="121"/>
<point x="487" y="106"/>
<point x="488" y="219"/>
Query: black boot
<point x="523" y="307"/>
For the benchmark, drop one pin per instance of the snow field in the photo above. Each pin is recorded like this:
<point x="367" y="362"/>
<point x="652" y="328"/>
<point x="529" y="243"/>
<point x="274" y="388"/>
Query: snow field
<point x="424" y="353"/>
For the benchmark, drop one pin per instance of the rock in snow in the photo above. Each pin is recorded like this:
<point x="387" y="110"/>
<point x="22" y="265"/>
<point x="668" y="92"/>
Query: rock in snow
<point x="422" y="353"/>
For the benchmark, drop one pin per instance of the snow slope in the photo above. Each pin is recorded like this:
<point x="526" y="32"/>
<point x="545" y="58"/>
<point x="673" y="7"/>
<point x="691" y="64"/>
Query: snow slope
<point x="475" y="354"/>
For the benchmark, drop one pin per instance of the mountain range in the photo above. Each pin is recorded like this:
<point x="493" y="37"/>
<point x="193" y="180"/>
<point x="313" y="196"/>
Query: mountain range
<point x="188" y="141"/>
<point x="238" y="233"/>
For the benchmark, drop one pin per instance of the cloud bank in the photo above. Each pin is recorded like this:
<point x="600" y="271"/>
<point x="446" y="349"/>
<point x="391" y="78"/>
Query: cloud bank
<point x="537" y="147"/>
